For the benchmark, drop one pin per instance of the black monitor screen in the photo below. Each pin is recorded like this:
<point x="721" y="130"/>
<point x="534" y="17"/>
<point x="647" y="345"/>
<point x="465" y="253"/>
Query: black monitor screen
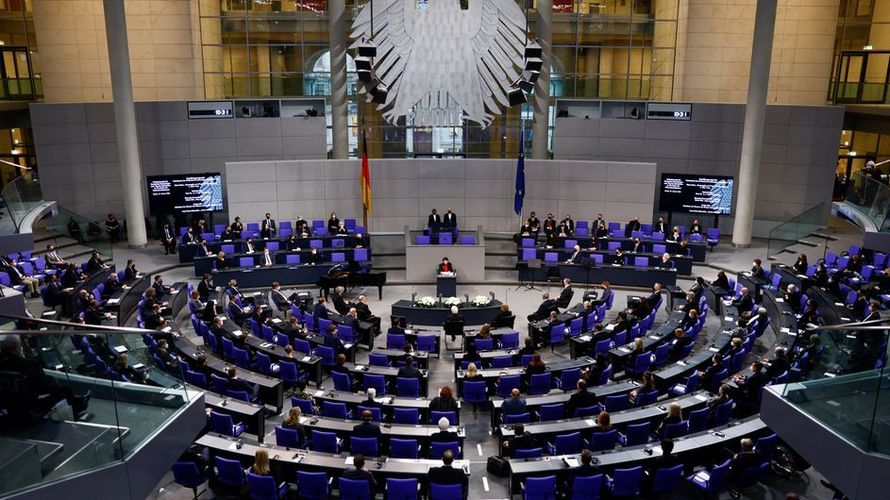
<point x="186" y="193"/>
<point x="696" y="194"/>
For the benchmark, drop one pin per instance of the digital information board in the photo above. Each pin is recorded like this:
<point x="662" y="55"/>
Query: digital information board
<point x="187" y="193"/>
<point x="696" y="194"/>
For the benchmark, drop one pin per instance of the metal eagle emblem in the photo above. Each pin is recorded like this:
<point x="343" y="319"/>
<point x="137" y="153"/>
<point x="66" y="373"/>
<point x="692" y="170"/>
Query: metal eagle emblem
<point x="444" y="64"/>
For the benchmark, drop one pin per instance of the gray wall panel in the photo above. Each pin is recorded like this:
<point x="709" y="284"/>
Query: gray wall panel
<point x="798" y="157"/>
<point x="404" y="191"/>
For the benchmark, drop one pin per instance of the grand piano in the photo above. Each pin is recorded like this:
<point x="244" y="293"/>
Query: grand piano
<point x="343" y="275"/>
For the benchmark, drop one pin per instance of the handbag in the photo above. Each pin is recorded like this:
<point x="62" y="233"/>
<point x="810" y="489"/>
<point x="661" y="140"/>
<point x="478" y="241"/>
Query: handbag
<point x="498" y="466"/>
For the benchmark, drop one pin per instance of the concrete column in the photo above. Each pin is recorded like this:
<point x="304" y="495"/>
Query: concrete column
<point x="339" y="125"/>
<point x="125" y="121"/>
<point x="755" y="114"/>
<point x="544" y="9"/>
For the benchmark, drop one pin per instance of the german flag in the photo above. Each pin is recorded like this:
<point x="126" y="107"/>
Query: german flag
<point x="366" y="176"/>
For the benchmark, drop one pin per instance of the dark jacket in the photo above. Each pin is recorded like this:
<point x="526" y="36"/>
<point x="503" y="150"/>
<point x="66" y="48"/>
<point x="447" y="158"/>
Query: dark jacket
<point x="367" y="429"/>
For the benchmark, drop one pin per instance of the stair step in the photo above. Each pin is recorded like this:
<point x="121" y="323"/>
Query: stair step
<point x="808" y="243"/>
<point x="824" y="236"/>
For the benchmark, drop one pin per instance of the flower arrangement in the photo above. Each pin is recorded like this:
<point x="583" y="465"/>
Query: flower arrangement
<point x="452" y="301"/>
<point x="481" y="300"/>
<point x="426" y="301"/>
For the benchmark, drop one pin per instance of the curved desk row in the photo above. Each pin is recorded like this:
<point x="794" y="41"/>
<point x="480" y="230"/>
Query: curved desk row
<point x="436" y="316"/>
<point x="206" y="264"/>
<point x="697" y="250"/>
<point x="682" y="263"/>
<point x="188" y="252"/>
<point x="262" y="277"/>
<point x="290" y="461"/>
<point x="694" y="448"/>
<point x="549" y="429"/>
<point x="491" y="375"/>
<point x="642" y="277"/>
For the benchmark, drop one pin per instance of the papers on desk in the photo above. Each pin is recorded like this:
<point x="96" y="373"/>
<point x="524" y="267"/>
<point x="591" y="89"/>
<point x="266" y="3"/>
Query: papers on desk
<point x="265" y="345"/>
<point x="571" y="461"/>
<point x="276" y="320"/>
<point x="167" y="329"/>
<point x="306" y="359"/>
<point x="257" y="294"/>
<point x="728" y="318"/>
<point x="347" y="346"/>
<point x="590" y="422"/>
<point x="69" y="289"/>
<point x="700" y="397"/>
<point x="624" y="350"/>
<point x="713" y="349"/>
<point x="234" y="446"/>
<point x="780" y="300"/>
<point x="681" y="363"/>
<point x="360" y="367"/>
<point x="350" y="460"/>
<point x="112" y="302"/>
<point x="609" y="327"/>
<point x="785" y="329"/>
<point x="654" y="337"/>
<point x="446" y="275"/>
<point x="319" y="393"/>
<point x="702" y="475"/>
<point x="585" y="338"/>
<point x="237" y="333"/>
<point x="120" y="349"/>
<point x="138" y="366"/>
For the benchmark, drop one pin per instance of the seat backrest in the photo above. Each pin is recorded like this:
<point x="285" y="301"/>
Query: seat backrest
<point x="626" y="482"/>
<point x="403" y="448"/>
<point x="409" y="416"/>
<point x="312" y="484"/>
<point x="401" y="489"/>
<point x="437" y="448"/>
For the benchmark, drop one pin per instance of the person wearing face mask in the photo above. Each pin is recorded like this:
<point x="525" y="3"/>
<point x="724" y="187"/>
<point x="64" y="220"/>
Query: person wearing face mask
<point x="313" y="257"/>
<point x="268" y="228"/>
<point x="266" y="259"/>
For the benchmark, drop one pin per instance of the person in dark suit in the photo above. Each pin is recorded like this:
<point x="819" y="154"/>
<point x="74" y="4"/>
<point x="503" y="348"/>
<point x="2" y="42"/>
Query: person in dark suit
<point x="544" y="309"/>
<point x="237" y="228"/>
<point x="666" y="460"/>
<point x="198" y="225"/>
<point x="749" y="387"/>
<point x="666" y="262"/>
<point x="70" y="276"/>
<point x="601" y="231"/>
<point x="633" y="225"/>
<point x="112" y="285"/>
<point x="747" y="458"/>
<point x="364" y="312"/>
<point x="695" y="227"/>
<point x="568" y="225"/>
<point x="408" y="371"/>
<point x="681" y="340"/>
<point x="565" y="296"/>
<point x="584" y="469"/>
<point x="340" y="304"/>
<point x="360" y="474"/>
<point x="582" y="398"/>
<point x="52" y="258"/>
<point x="152" y="319"/>
<point x="203" y="249"/>
<point x="268" y="229"/>
<point x="745" y="302"/>
<point x="619" y="257"/>
<point x="302" y="227"/>
<point x="189" y="238"/>
<point x="236" y="384"/>
<point x="113" y="228"/>
<point x="95" y="263"/>
<point x="368" y="428"/>
<point x="18" y="277"/>
<point x="53" y="291"/>
<point x="660" y="226"/>
<point x="778" y="365"/>
<point x="446" y="266"/>
<point x="721" y="281"/>
<point x="801" y="264"/>
<point x="220" y="263"/>
<point x="333" y="223"/>
<point x="227" y="234"/>
<point x="168" y="239"/>
<point x="203" y="310"/>
<point x="534" y="224"/>
<point x="522" y="440"/>
<point x="205" y="287"/>
<point x="314" y="258"/>
<point x="757" y="270"/>
<point x="622" y="323"/>
<point x="281" y="302"/>
<point x="433" y="220"/>
<point x="576" y="257"/>
<point x="331" y="339"/>
<point x="449" y="219"/>
<point x="550" y="225"/>
<point x="159" y="286"/>
<point x="320" y="311"/>
<point x="444" y="435"/>
<point x="91" y="315"/>
<point x="446" y="474"/>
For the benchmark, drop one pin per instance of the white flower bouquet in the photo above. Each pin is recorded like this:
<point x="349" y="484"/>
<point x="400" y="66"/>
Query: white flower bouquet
<point x="481" y="300"/>
<point x="426" y="301"/>
<point x="452" y="301"/>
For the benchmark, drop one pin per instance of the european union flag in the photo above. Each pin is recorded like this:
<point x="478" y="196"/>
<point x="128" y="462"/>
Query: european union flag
<point x="519" y="195"/>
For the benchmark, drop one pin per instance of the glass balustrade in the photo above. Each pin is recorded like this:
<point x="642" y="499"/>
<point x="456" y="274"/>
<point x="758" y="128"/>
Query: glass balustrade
<point x="789" y="232"/>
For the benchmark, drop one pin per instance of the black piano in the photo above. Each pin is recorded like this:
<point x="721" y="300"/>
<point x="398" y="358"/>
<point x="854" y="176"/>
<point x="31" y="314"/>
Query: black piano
<point x="342" y="276"/>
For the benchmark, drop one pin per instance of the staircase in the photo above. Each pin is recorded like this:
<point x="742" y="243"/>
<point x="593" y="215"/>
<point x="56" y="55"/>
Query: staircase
<point x="801" y="233"/>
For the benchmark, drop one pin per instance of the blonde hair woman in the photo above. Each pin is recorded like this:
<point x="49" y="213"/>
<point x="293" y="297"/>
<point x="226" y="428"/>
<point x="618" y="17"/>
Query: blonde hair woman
<point x="261" y="463"/>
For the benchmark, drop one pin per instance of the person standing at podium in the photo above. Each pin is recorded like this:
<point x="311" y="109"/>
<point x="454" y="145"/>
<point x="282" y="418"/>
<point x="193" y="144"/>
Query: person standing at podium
<point x="446" y="266"/>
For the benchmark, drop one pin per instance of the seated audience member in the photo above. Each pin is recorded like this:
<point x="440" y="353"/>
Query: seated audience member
<point x="749" y="387"/>
<point x="515" y="405"/>
<point x="409" y="371"/>
<point x="746" y="458"/>
<point x="333" y="223"/>
<point x="281" y="302"/>
<point x="585" y="468"/>
<point x="18" y="277"/>
<point x="237" y="384"/>
<point x="446" y="474"/>
<point x="367" y="428"/>
<point x="801" y="264"/>
<point x="314" y="258"/>
<point x="52" y="258"/>
<point x="358" y="473"/>
<point x="444" y="435"/>
<point x="95" y="263"/>
<point x="778" y="365"/>
<point x="444" y="401"/>
<point x="522" y="440"/>
<point x="536" y="365"/>
<point x="547" y="305"/>
<point x="261" y="465"/>
<point x="666" y="460"/>
<point x="473" y="374"/>
<point x="603" y="422"/>
<point x="745" y="302"/>
<point x="674" y="416"/>
<point x="504" y="318"/>
<point x="582" y="398"/>
<point x="681" y="341"/>
<point x="721" y="282"/>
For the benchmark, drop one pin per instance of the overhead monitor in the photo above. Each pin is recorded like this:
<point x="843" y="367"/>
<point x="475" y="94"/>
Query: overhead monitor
<point x="185" y="193"/>
<point x="696" y="194"/>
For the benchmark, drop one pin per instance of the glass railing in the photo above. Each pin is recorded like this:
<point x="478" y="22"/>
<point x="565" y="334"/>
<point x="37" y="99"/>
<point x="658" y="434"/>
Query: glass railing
<point x="76" y="398"/>
<point x="848" y="386"/>
<point x="871" y="197"/>
<point x="860" y="93"/>
<point x="22" y="195"/>
<point x="799" y="226"/>
<point x="67" y="225"/>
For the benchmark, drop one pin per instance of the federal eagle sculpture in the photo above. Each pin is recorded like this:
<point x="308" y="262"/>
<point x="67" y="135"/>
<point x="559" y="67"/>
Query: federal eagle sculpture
<point x="444" y="64"/>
